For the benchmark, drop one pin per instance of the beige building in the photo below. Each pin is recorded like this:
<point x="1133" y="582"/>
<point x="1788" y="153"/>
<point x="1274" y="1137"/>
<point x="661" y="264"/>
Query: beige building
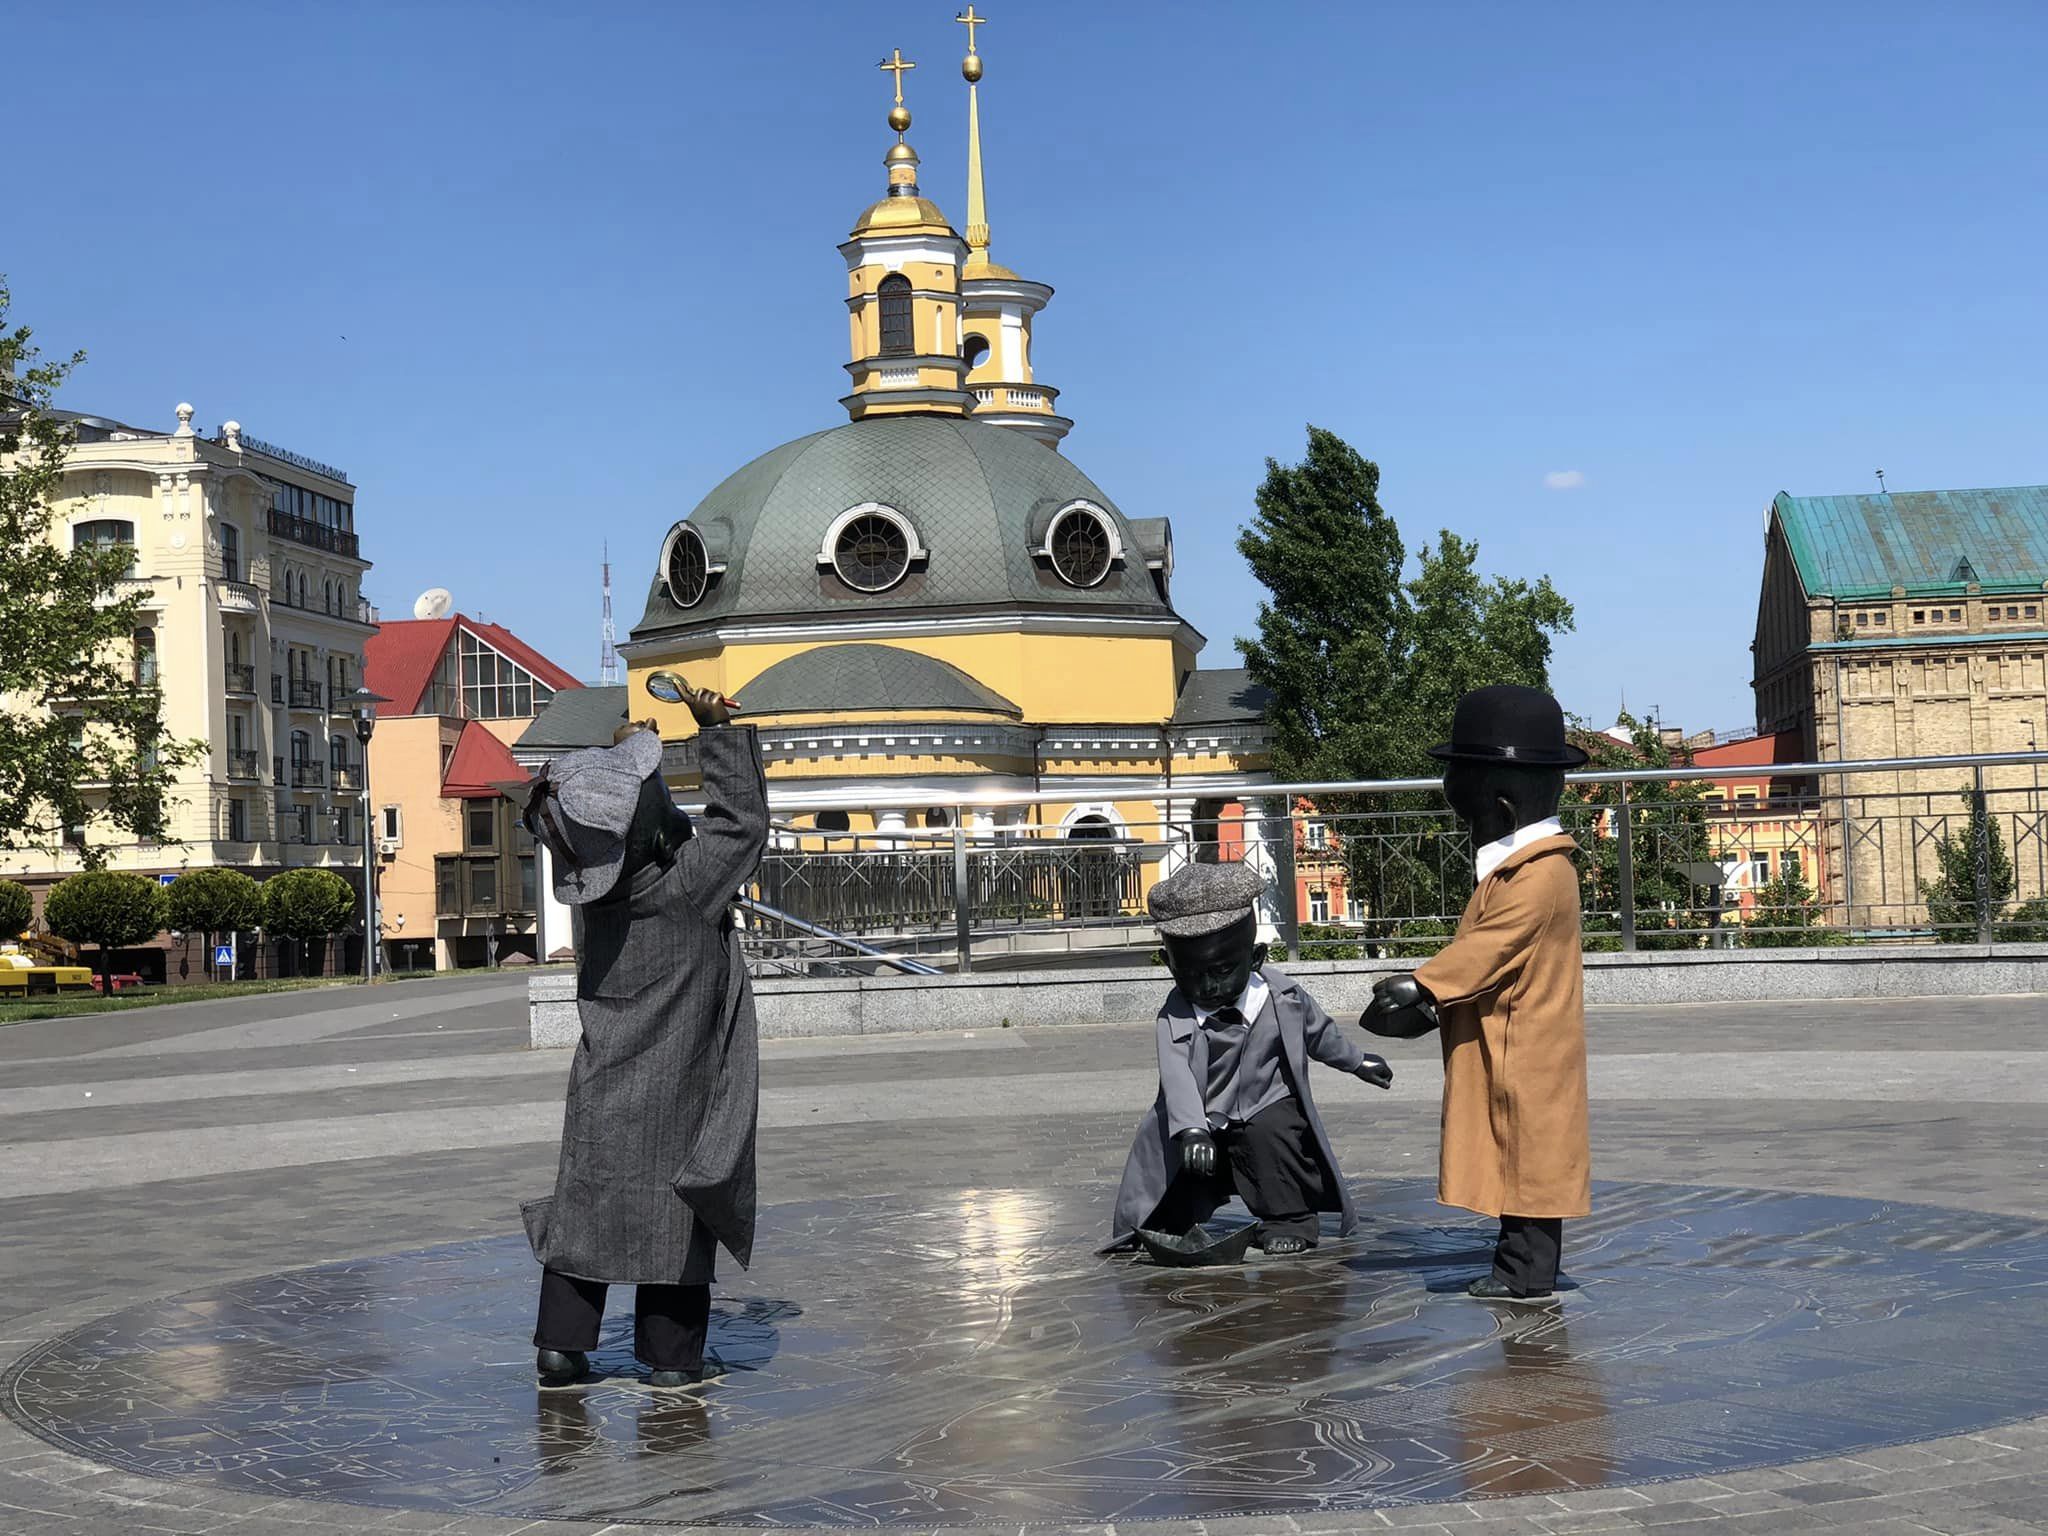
<point x="457" y="882"/>
<point x="1900" y="626"/>
<point x="253" y="624"/>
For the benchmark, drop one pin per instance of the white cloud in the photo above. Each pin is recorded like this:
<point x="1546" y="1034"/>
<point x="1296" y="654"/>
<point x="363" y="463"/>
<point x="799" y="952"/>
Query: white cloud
<point x="1564" y="479"/>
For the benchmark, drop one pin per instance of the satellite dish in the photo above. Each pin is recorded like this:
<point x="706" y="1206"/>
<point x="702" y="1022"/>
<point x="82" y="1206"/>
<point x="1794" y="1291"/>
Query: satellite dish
<point x="434" y="603"/>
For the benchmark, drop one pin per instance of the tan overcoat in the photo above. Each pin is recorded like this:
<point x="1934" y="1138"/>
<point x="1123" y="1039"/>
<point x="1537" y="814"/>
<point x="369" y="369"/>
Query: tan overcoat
<point x="1510" y="991"/>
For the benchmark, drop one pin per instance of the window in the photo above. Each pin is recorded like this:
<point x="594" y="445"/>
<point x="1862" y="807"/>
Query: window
<point x="1955" y="615"/>
<point x="344" y="829"/>
<point x="1354" y="907"/>
<point x="327" y="597"/>
<point x="303" y="820"/>
<point x="686" y="566"/>
<point x="230" y="552"/>
<point x="447" y="890"/>
<point x="1863" y="621"/>
<point x="975" y="351"/>
<point x="938" y="817"/>
<point x="1316" y="835"/>
<point x="832" y="821"/>
<point x="494" y="686"/>
<point x="1882" y="618"/>
<point x="1760" y="868"/>
<point x="894" y="294"/>
<point x="238" y="822"/>
<point x="2012" y="610"/>
<point x="529" y="885"/>
<point x="1789" y="865"/>
<point x="106" y="533"/>
<point x="1319" y="906"/>
<point x="302" y="748"/>
<point x="1082" y="544"/>
<point x="2032" y="611"/>
<point x="483" y="884"/>
<point x="391" y="828"/>
<point x="871" y="547"/>
<point x="483" y="826"/>
<point x="145" y="658"/>
<point x="1919" y="615"/>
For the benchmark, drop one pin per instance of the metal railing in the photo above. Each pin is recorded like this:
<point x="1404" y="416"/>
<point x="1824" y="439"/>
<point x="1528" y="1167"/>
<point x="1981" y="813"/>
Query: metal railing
<point x="303" y="530"/>
<point x="242" y="765"/>
<point x="305" y="693"/>
<point x="1947" y="849"/>
<point x="241" y="677"/>
<point x="347" y="776"/>
<point x="309" y="773"/>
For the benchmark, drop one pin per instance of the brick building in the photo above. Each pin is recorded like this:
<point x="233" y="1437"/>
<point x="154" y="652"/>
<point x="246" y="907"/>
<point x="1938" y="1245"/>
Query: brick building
<point x="1908" y="625"/>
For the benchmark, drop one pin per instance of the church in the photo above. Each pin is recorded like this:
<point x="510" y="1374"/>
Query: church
<point x="930" y="608"/>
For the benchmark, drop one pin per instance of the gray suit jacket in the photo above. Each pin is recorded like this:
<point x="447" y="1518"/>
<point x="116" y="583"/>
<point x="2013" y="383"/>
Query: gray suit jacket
<point x="1305" y="1032"/>
<point x="657" y="1166"/>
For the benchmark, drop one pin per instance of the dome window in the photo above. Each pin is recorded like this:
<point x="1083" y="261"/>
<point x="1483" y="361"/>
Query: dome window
<point x="1082" y="544"/>
<point x="686" y="566"/>
<point x="871" y="547"/>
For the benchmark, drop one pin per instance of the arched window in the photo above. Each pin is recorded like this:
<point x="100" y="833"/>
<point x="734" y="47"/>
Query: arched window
<point x="106" y="533"/>
<point x="327" y="597"/>
<point x="897" y="337"/>
<point x="832" y="821"/>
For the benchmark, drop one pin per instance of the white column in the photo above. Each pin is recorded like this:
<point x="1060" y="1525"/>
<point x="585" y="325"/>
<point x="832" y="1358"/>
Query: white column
<point x="1262" y="831"/>
<point x="557" y="929"/>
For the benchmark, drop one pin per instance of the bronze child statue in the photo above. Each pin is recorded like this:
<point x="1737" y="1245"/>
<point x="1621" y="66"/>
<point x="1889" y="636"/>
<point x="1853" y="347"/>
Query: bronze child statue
<point x="1234" y="1111"/>
<point x="1508" y="993"/>
<point x="657" y="1165"/>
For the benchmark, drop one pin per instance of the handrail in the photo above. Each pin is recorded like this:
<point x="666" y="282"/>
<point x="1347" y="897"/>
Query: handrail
<point x="1211" y="788"/>
<point x="866" y="951"/>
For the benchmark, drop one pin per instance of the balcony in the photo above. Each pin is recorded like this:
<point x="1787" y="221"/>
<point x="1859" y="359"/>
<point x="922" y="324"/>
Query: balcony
<point x="309" y="775"/>
<point x="237" y="597"/>
<point x="302" y="530"/>
<point x="348" y="777"/>
<point x="241" y="677"/>
<point x="242" y="766"/>
<point x="306" y="694"/>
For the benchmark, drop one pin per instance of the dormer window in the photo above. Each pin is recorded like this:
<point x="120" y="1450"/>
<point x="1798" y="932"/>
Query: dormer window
<point x="871" y="547"/>
<point x="898" y="339"/>
<point x="1082" y="543"/>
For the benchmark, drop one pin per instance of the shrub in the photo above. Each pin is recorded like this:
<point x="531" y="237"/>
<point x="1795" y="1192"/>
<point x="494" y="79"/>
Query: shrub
<point x="212" y="901"/>
<point x="307" y="904"/>
<point x="17" y="909"/>
<point x="107" y="909"/>
<point x="2027" y="923"/>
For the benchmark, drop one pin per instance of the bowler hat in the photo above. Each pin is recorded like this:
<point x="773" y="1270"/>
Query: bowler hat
<point x="582" y="808"/>
<point x="1509" y="724"/>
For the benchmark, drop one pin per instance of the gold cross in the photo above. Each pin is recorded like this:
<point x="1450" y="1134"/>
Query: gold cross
<point x="896" y="65"/>
<point x="970" y="21"/>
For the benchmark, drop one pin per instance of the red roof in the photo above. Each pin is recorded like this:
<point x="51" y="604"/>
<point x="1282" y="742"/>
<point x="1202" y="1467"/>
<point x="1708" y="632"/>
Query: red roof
<point x="479" y="764"/>
<point x="399" y="660"/>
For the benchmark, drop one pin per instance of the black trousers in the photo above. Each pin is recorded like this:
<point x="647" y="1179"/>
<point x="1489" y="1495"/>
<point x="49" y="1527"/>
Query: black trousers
<point x="670" y="1322"/>
<point x="1526" y="1256"/>
<point x="1271" y="1163"/>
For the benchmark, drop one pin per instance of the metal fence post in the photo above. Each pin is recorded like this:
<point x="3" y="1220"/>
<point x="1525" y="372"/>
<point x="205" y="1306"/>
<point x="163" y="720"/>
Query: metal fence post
<point x="1290" y="897"/>
<point x="1625" y="879"/>
<point x="1980" y="838"/>
<point x="963" y="903"/>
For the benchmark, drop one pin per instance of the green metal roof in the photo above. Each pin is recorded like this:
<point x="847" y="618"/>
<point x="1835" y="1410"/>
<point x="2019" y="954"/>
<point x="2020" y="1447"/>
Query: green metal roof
<point x="978" y="496"/>
<point x="859" y="677"/>
<point x="1929" y="542"/>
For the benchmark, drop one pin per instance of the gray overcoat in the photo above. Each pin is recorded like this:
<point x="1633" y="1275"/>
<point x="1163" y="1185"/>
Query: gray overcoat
<point x="657" y="1161"/>
<point x="1305" y="1031"/>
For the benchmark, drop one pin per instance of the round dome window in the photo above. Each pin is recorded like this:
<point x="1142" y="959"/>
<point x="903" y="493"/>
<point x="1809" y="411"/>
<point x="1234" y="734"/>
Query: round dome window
<point x="1082" y="545"/>
<point x="872" y="548"/>
<point x="686" y="566"/>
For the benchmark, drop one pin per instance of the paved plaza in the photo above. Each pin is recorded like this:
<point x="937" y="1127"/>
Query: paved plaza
<point x="1811" y="1298"/>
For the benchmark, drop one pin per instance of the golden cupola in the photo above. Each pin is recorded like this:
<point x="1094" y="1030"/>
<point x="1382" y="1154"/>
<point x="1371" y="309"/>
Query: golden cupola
<point x="997" y="306"/>
<point x="903" y="264"/>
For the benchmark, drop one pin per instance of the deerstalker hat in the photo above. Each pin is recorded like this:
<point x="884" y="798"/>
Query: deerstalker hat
<point x="1204" y="898"/>
<point x="1509" y="724"/>
<point x="582" y="808"/>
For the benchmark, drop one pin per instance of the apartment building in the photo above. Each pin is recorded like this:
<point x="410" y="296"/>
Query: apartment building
<point x="253" y="624"/>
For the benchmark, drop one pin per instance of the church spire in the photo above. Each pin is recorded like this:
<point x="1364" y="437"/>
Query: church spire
<point x="977" y="203"/>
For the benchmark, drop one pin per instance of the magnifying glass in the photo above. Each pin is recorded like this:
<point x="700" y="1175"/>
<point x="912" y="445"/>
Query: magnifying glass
<point x="669" y="688"/>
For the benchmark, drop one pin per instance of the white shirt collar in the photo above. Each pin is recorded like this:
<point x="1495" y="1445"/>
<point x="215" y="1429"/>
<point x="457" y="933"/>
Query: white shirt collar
<point x="1495" y="854"/>
<point x="1250" y="1003"/>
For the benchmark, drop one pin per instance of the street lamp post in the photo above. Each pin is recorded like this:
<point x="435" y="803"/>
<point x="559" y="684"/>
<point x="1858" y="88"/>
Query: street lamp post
<point x="362" y="706"/>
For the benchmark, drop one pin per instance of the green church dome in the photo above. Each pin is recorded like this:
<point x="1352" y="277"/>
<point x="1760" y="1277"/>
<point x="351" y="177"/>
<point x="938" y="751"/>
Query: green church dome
<point x="903" y="515"/>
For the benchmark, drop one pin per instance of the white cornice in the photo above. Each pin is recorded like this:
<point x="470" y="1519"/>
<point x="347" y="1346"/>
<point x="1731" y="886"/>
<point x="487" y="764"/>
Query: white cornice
<point x="910" y="627"/>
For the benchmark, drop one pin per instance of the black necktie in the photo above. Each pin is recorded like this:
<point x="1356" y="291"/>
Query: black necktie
<point x="1226" y="1018"/>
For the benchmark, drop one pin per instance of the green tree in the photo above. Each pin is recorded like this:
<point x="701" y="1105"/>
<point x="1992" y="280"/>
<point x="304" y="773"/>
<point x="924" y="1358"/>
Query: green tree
<point x="307" y="905"/>
<point x="1366" y="663"/>
<point x="1667" y="825"/>
<point x="77" y="712"/>
<point x="1788" y="915"/>
<point x="212" y="902"/>
<point x="2027" y="923"/>
<point x="17" y="909"/>
<point x="107" y="909"/>
<point x="1951" y="896"/>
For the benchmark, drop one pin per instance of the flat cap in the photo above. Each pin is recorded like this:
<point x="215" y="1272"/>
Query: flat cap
<point x="1202" y="898"/>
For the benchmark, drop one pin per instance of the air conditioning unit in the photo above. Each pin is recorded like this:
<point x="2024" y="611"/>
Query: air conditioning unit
<point x="387" y="846"/>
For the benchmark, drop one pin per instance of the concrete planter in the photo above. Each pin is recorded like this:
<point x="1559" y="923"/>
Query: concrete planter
<point x="994" y="1000"/>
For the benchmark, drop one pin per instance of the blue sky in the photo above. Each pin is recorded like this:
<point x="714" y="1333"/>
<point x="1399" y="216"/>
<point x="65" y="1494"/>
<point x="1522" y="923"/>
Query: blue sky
<point x="584" y="265"/>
